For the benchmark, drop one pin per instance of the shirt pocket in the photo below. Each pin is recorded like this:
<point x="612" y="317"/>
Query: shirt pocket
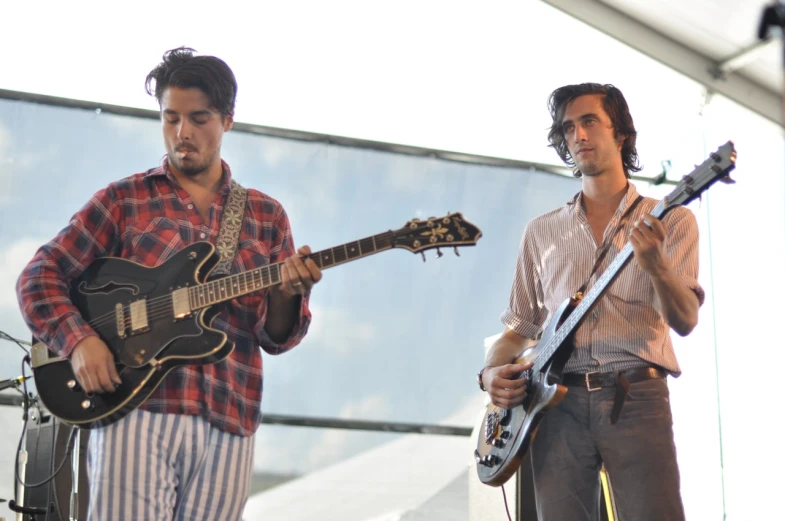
<point x="152" y="241"/>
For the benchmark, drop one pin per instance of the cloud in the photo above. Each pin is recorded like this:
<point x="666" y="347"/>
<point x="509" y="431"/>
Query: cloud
<point x="6" y="162"/>
<point x="136" y="129"/>
<point x="20" y="161"/>
<point x="340" y="331"/>
<point x="5" y="142"/>
<point x="336" y="445"/>
<point x="287" y="449"/>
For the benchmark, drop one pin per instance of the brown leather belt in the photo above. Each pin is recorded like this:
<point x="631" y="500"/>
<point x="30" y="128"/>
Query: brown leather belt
<point x="595" y="381"/>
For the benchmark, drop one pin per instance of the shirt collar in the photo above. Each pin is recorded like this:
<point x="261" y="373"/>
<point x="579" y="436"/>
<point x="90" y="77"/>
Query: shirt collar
<point x="576" y="203"/>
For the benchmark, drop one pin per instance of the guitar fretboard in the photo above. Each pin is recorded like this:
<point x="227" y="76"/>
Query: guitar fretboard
<point x="233" y="286"/>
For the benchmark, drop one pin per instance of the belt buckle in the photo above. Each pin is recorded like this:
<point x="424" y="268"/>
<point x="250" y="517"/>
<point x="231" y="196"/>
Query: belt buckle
<point x="588" y="384"/>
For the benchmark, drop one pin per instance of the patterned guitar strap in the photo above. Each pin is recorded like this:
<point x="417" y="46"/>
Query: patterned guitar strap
<point x="229" y="230"/>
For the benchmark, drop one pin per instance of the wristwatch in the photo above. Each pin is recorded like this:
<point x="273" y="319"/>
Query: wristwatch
<point x="479" y="378"/>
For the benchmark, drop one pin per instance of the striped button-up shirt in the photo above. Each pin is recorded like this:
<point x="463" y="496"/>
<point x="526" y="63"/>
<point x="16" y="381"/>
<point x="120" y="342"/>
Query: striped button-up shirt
<point x="147" y="218"/>
<point x="626" y="328"/>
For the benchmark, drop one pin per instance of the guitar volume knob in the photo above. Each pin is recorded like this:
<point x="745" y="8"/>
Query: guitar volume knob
<point x="73" y="385"/>
<point x="87" y="405"/>
<point x="490" y="460"/>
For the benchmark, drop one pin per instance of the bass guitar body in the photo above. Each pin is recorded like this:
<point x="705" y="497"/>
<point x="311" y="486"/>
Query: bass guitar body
<point x="506" y="434"/>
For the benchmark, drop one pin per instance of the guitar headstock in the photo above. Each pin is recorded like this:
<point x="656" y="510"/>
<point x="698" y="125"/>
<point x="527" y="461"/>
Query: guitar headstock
<point x="715" y="168"/>
<point x="450" y="231"/>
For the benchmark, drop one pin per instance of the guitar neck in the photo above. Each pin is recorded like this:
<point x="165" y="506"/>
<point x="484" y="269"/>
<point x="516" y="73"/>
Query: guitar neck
<point x="239" y="284"/>
<point x="589" y="300"/>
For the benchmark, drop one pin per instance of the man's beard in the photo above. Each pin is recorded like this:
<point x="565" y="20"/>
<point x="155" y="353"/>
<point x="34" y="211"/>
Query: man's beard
<point x="190" y="168"/>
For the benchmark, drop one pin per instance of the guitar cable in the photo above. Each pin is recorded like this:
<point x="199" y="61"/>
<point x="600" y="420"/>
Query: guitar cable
<point x="69" y="445"/>
<point x="506" y="507"/>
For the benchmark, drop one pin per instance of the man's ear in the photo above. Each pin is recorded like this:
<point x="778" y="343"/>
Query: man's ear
<point x="228" y="122"/>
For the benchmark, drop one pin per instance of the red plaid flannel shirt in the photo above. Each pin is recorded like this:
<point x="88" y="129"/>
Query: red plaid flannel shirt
<point x="146" y="218"/>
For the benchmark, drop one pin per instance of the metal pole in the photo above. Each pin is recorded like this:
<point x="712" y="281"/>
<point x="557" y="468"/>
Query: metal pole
<point x="74" y="512"/>
<point x="364" y="425"/>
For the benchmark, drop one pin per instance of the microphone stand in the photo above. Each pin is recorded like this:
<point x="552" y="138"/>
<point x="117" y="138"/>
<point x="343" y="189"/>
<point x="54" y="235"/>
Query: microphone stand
<point x="75" y="452"/>
<point x="19" y="508"/>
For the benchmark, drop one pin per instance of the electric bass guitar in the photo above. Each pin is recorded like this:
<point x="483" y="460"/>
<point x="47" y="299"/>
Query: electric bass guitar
<point x="506" y="434"/>
<point x="156" y="319"/>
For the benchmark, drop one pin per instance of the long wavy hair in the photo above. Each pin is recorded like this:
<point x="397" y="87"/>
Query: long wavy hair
<point x="615" y="106"/>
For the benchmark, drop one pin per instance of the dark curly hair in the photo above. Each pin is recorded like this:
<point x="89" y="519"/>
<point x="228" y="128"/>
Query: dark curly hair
<point x="615" y="106"/>
<point x="180" y="68"/>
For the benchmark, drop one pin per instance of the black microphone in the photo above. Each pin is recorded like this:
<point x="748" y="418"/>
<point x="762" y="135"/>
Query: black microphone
<point x="13" y="382"/>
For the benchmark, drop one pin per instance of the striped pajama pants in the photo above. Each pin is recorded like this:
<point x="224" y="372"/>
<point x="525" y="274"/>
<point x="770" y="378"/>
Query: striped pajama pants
<point x="167" y="467"/>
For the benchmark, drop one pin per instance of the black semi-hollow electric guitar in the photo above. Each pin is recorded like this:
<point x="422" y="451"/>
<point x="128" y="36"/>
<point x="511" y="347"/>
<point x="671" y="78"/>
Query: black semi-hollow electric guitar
<point x="156" y="319"/>
<point x="506" y="434"/>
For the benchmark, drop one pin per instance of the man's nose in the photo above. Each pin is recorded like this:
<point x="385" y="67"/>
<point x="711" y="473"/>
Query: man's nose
<point x="578" y="134"/>
<point x="184" y="130"/>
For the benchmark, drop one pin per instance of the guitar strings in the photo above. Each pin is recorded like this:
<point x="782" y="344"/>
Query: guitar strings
<point x="159" y="307"/>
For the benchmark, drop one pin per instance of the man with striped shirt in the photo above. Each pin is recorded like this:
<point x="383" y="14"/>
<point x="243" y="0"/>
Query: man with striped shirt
<point x="187" y="452"/>
<point x="624" y="341"/>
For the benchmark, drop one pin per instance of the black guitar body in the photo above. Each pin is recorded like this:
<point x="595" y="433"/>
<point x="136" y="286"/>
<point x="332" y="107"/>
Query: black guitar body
<point x="157" y="319"/>
<point x="145" y="355"/>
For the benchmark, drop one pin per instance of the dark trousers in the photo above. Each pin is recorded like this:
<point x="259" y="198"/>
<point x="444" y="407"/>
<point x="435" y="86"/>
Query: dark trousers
<point x="576" y="438"/>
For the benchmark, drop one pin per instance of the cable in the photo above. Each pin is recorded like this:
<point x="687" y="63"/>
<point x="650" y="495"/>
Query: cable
<point x="506" y="507"/>
<point x="68" y="448"/>
<point x="6" y="336"/>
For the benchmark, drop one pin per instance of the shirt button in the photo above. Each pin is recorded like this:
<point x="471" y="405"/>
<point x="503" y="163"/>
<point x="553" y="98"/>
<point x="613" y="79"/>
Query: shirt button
<point x="202" y="235"/>
<point x="190" y="207"/>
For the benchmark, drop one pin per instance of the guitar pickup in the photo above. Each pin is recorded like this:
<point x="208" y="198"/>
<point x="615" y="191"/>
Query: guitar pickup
<point x="139" y="322"/>
<point x="181" y="303"/>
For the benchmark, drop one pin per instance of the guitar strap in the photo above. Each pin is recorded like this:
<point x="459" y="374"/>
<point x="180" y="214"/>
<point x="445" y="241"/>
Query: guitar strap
<point x="607" y="244"/>
<point x="230" y="227"/>
<point x="622" y="384"/>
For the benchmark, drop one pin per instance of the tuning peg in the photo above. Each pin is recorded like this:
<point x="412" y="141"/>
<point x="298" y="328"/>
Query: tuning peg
<point x="423" y="255"/>
<point x="456" y="251"/>
<point x="438" y="253"/>
<point x="727" y="180"/>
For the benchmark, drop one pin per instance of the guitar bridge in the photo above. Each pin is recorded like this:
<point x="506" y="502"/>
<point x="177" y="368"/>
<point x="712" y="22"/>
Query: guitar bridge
<point x="119" y="316"/>
<point x="492" y="423"/>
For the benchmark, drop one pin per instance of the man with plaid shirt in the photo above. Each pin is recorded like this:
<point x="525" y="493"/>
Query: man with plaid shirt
<point x="187" y="451"/>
